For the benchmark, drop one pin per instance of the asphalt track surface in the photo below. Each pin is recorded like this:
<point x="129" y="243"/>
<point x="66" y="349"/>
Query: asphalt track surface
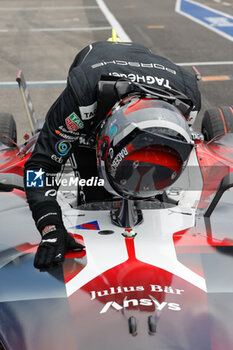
<point x="42" y="38"/>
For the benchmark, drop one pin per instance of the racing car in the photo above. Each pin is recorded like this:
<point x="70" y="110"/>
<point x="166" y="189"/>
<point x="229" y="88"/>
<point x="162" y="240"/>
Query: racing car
<point x="156" y="274"/>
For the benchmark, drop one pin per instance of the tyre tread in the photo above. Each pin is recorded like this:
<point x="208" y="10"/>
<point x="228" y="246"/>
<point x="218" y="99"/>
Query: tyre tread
<point x="213" y="124"/>
<point x="7" y="127"/>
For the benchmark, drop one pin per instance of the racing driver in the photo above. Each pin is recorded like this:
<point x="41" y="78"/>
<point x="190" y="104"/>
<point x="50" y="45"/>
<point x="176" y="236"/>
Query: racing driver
<point x="71" y="123"/>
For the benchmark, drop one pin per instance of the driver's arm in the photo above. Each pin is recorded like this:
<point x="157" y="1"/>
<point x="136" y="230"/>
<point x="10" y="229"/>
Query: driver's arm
<point x="53" y="148"/>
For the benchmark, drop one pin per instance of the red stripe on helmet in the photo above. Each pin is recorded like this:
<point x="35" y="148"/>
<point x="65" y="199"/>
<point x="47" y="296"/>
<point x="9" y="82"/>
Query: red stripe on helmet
<point x="139" y="104"/>
<point x="159" y="155"/>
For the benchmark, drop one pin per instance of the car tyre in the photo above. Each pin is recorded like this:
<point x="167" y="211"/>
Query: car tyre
<point x="8" y="128"/>
<point x="217" y="121"/>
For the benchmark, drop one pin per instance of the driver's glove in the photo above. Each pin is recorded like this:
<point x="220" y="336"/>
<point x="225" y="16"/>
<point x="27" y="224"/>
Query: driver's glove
<point x="53" y="247"/>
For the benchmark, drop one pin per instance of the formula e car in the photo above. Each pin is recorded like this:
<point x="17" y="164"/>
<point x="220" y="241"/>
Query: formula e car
<point x="156" y="274"/>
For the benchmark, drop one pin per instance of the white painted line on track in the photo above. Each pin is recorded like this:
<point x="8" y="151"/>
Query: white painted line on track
<point x="54" y="29"/>
<point x="54" y="8"/>
<point x="113" y="21"/>
<point x="187" y="64"/>
<point x="39" y="83"/>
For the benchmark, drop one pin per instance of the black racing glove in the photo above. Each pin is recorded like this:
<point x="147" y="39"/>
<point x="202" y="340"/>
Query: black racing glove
<point x="53" y="247"/>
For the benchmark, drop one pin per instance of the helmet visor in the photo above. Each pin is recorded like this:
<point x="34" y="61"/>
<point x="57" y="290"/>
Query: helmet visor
<point x="144" y="173"/>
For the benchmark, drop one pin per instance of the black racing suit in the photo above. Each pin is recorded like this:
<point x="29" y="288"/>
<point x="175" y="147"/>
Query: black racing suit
<point x="73" y="114"/>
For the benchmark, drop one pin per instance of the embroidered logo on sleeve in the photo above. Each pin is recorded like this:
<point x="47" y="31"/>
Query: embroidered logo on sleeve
<point x="73" y="122"/>
<point x="48" y="229"/>
<point x="88" y="112"/>
<point x="62" y="147"/>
